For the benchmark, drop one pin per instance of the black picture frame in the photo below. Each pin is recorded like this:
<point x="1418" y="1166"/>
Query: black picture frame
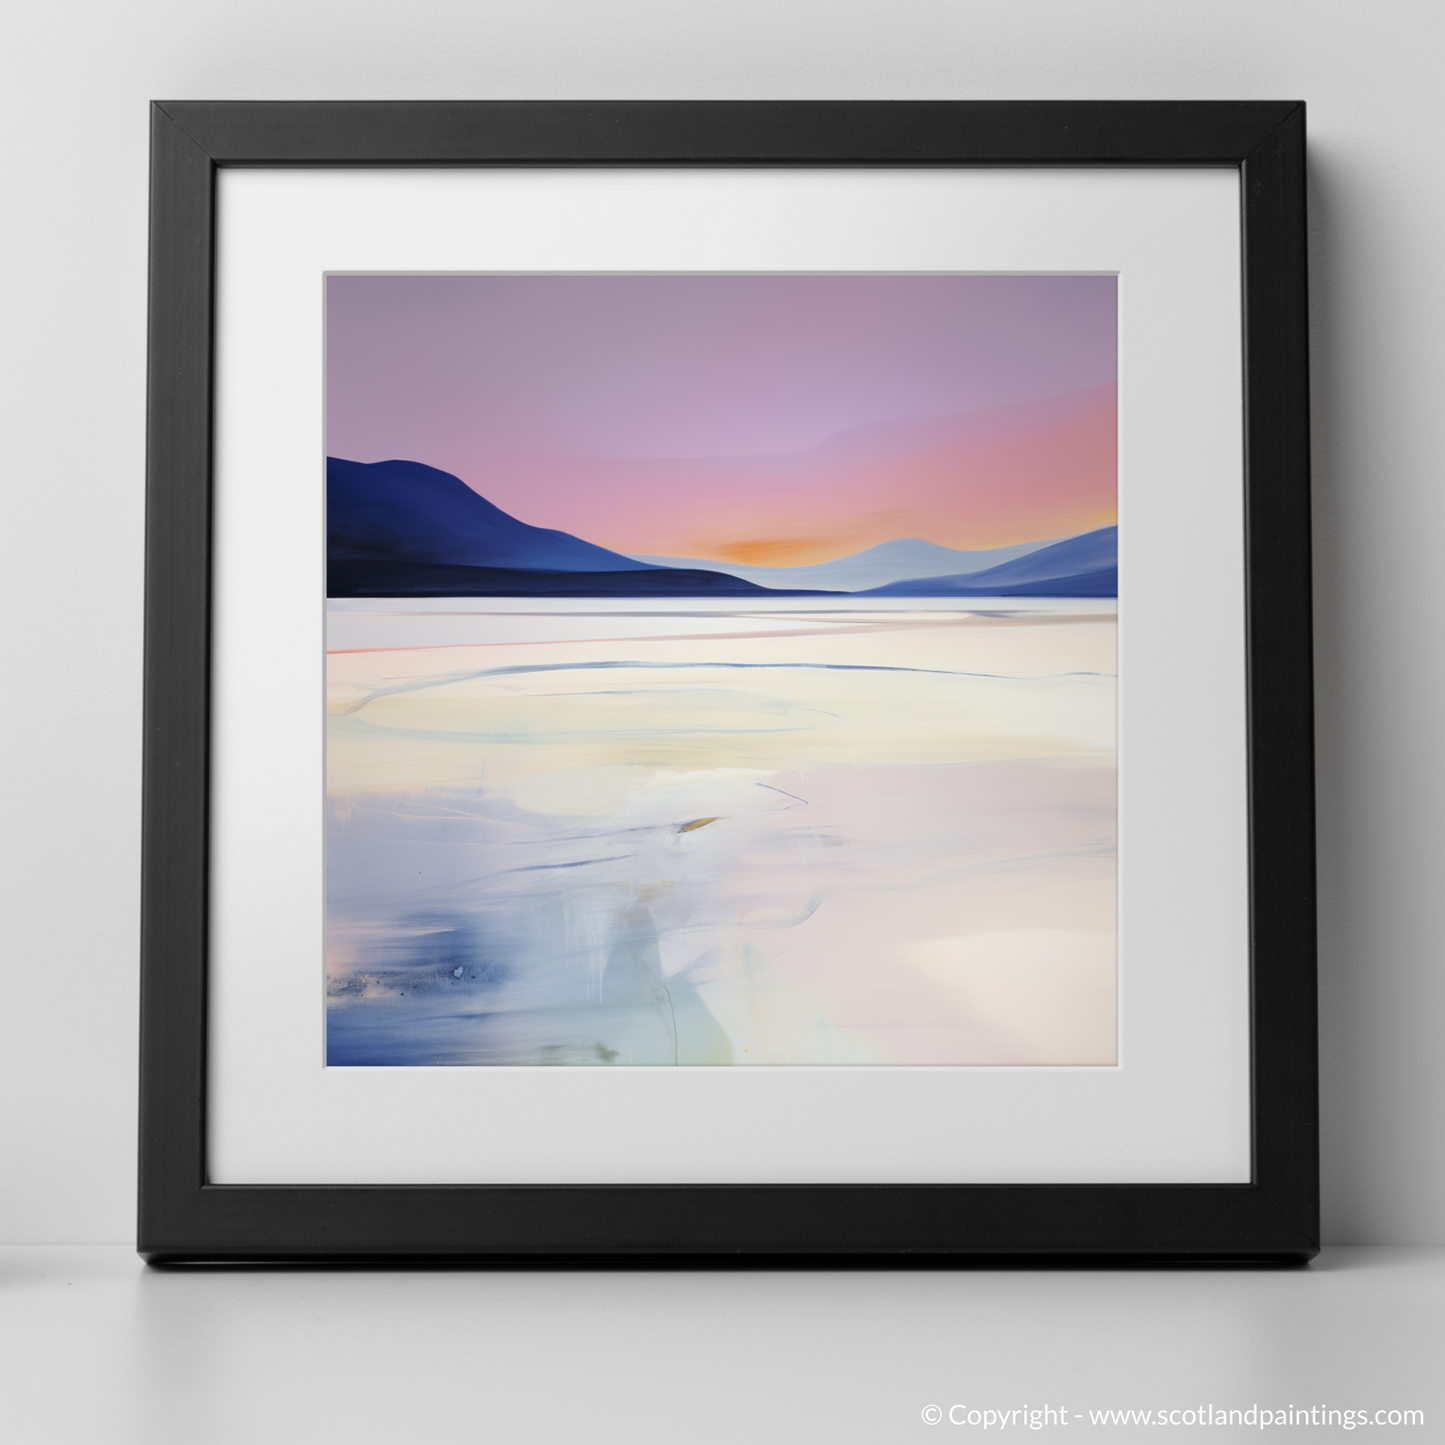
<point x="183" y="1217"/>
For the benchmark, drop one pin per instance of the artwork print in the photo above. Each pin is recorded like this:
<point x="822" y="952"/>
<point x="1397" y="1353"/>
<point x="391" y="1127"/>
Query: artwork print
<point x="721" y="670"/>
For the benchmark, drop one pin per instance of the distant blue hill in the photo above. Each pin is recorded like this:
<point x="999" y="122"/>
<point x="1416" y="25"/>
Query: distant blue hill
<point x="895" y="561"/>
<point x="1084" y="566"/>
<point x="407" y="512"/>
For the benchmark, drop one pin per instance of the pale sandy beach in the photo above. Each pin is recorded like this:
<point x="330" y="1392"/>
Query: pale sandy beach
<point x="706" y="836"/>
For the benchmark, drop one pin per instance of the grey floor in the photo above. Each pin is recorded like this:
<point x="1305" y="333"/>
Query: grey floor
<point x="96" y="1348"/>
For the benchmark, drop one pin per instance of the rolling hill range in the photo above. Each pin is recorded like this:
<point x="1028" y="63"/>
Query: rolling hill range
<point x="1084" y="566"/>
<point x="403" y="529"/>
<point x="896" y="561"/>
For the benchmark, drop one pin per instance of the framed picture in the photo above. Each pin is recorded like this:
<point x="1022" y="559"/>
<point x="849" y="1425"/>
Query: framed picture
<point x="728" y="680"/>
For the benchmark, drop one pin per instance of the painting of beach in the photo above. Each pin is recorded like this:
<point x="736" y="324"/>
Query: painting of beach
<point x="721" y="670"/>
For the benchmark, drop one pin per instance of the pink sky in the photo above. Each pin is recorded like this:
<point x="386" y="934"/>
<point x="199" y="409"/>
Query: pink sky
<point x="765" y="419"/>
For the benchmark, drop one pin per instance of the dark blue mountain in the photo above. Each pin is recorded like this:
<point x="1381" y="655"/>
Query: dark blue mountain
<point x="1084" y="566"/>
<point x="406" y="512"/>
<point x="401" y="529"/>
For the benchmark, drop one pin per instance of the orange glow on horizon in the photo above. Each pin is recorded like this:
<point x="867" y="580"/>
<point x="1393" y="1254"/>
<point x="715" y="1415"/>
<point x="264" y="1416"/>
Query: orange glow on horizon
<point x="1023" y="473"/>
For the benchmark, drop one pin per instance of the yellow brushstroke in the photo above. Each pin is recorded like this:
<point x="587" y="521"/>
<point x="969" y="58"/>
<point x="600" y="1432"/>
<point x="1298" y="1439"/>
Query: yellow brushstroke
<point x="696" y="823"/>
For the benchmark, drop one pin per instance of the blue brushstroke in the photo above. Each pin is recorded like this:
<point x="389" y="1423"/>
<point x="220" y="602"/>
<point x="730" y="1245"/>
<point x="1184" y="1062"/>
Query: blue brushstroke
<point x="368" y="578"/>
<point x="442" y="679"/>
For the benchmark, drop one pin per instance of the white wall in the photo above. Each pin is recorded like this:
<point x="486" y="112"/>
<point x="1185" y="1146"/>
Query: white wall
<point x="75" y="78"/>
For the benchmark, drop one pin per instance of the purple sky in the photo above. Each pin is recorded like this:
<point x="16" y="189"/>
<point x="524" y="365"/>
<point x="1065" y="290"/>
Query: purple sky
<point x="450" y="369"/>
